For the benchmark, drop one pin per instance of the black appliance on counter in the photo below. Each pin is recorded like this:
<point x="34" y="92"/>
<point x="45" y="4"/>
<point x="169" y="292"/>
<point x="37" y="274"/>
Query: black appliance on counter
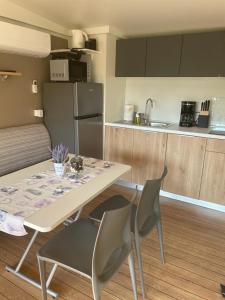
<point x="187" y="116"/>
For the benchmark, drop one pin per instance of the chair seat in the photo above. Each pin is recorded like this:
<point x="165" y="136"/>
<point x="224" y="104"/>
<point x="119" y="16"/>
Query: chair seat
<point x="73" y="246"/>
<point x="114" y="202"/>
<point x="118" y="201"/>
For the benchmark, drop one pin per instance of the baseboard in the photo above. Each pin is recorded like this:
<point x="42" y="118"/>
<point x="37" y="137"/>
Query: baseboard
<point x="202" y="203"/>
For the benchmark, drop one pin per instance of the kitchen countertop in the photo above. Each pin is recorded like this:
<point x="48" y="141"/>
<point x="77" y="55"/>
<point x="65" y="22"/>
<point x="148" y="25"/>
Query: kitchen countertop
<point x="172" y="128"/>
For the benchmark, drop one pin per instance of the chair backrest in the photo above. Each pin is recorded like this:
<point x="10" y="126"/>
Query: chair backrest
<point x="113" y="243"/>
<point x="148" y="205"/>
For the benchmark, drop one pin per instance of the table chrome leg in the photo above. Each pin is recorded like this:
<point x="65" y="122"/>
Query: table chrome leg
<point x="26" y="251"/>
<point x="30" y="281"/>
<point x="78" y="214"/>
<point x="16" y="271"/>
<point x="73" y="219"/>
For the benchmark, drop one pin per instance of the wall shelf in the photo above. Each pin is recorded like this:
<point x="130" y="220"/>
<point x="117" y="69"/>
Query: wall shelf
<point x="73" y="50"/>
<point x="5" y="74"/>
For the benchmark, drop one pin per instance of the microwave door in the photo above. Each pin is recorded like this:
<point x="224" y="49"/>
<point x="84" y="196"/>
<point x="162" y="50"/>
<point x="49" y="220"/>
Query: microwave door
<point x="59" y="70"/>
<point x="78" y="71"/>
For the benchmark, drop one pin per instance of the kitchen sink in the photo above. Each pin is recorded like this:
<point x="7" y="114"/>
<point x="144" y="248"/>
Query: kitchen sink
<point x="157" y="124"/>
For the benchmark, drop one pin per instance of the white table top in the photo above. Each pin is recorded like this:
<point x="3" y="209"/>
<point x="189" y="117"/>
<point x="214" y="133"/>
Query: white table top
<point x="46" y="219"/>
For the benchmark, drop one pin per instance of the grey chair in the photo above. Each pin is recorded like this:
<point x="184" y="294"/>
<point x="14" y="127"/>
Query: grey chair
<point x="94" y="253"/>
<point x="145" y="215"/>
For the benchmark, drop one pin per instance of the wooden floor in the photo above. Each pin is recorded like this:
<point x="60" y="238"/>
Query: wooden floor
<point x="194" y="240"/>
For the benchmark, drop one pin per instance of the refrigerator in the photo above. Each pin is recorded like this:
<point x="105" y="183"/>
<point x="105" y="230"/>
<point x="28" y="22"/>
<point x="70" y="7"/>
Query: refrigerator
<point x="73" y="114"/>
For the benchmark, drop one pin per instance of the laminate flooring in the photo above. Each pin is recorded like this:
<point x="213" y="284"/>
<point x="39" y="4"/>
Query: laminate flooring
<point x="194" y="241"/>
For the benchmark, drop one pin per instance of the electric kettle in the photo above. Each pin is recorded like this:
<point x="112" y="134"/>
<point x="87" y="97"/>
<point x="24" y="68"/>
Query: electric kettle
<point x="78" y="38"/>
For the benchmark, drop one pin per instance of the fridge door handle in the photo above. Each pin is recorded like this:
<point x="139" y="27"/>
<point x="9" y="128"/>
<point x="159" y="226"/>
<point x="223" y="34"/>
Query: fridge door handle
<point x="87" y="116"/>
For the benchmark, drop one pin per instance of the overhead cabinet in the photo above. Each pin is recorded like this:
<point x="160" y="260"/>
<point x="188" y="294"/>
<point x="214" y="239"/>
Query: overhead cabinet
<point x="163" y="56"/>
<point x="131" y="57"/>
<point x="198" y="54"/>
<point x="203" y="54"/>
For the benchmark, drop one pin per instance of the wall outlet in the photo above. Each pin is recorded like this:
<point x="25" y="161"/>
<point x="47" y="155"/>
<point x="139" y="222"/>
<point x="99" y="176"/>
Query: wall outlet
<point x="38" y="113"/>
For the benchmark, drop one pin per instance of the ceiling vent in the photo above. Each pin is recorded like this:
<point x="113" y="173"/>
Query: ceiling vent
<point x="24" y="41"/>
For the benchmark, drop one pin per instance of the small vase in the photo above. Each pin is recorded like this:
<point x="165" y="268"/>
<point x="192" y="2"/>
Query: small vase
<point x="59" y="169"/>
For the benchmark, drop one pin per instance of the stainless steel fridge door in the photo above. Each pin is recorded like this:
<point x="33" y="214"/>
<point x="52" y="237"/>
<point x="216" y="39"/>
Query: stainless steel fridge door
<point x="90" y="137"/>
<point x="58" y="101"/>
<point x="88" y="98"/>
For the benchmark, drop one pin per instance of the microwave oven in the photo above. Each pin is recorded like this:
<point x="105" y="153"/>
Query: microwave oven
<point x="68" y="70"/>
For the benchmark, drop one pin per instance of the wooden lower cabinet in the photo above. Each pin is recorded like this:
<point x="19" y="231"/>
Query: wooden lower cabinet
<point x="213" y="179"/>
<point x="119" y="147"/>
<point x="195" y="169"/>
<point x="148" y="155"/>
<point x="184" y="159"/>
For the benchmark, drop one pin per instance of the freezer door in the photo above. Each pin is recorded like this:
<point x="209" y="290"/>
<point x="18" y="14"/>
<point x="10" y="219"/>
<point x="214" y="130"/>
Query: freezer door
<point x="88" y="99"/>
<point x="91" y="137"/>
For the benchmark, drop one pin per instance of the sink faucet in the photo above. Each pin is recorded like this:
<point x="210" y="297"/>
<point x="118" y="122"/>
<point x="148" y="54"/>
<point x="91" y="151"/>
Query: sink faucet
<point x="148" y="110"/>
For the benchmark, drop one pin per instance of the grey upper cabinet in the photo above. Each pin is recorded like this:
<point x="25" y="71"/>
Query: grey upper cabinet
<point x="203" y="54"/>
<point x="163" y="56"/>
<point x="131" y="57"/>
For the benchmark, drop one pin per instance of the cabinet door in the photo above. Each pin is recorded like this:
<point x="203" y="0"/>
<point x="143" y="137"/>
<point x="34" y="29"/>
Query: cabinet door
<point x="131" y="57"/>
<point x="213" y="179"/>
<point x="148" y="155"/>
<point x="184" y="159"/>
<point x="119" y="146"/>
<point x="203" y="54"/>
<point x="163" y="55"/>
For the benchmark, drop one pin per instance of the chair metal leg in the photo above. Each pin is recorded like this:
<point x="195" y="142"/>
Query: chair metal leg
<point x="51" y="274"/>
<point x="139" y="258"/>
<point x="133" y="275"/>
<point x="96" y="291"/>
<point x="160" y="237"/>
<point x="42" y="270"/>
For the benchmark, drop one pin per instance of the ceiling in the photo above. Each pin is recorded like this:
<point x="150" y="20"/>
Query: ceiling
<point x="132" y="17"/>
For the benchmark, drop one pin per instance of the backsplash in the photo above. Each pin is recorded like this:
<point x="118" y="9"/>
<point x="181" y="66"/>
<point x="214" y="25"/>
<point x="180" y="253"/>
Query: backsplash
<point x="168" y="93"/>
<point x="218" y="111"/>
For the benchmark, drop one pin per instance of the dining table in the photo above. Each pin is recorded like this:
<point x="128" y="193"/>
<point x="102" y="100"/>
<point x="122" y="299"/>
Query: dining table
<point x="98" y="175"/>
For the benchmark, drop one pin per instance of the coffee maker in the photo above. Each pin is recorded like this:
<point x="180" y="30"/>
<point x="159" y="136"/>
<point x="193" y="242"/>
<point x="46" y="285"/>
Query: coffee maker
<point x="187" y="116"/>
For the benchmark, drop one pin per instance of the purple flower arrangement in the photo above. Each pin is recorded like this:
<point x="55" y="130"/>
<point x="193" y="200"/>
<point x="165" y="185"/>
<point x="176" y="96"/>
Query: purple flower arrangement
<point x="59" y="154"/>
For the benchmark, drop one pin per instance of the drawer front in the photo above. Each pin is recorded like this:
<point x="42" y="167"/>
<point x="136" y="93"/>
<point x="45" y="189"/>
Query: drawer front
<point x="214" y="145"/>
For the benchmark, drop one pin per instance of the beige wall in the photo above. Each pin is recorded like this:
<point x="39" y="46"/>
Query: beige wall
<point x="16" y="99"/>
<point x="168" y="93"/>
<point x="103" y="70"/>
<point x="115" y="86"/>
